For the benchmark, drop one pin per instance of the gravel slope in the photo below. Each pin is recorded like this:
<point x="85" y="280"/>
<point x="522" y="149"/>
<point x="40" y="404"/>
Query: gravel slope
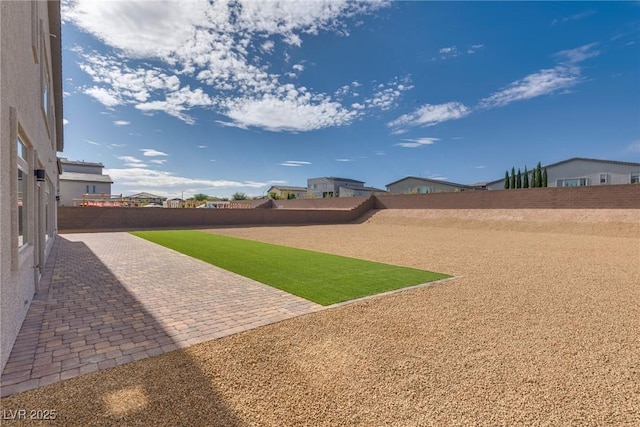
<point x="541" y="330"/>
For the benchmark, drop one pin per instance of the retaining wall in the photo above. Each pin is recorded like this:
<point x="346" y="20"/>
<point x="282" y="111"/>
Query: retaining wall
<point x="79" y="219"/>
<point x="591" y="197"/>
<point x="342" y="211"/>
<point x="329" y="203"/>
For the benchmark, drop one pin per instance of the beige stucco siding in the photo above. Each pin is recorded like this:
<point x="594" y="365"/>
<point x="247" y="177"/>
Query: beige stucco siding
<point x="21" y="113"/>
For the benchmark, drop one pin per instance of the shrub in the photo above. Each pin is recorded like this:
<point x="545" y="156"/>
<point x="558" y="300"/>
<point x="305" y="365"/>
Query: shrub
<point x="538" y="175"/>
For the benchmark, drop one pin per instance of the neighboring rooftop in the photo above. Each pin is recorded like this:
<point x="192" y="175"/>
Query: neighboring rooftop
<point x="65" y="161"/>
<point x="436" y="181"/>
<point x="144" y="195"/>
<point x="88" y="177"/>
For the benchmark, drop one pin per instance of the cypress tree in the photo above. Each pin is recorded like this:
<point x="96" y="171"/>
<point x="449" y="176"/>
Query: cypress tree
<point x="519" y="179"/>
<point x="544" y="177"/>
<point x="512" y="182"/>
<point x="525" y="178"/>
<point x="506" y="180"/>
<point x="538" y="175"/>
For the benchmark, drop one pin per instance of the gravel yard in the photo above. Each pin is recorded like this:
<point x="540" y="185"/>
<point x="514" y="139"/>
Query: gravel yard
<point x="541" y="329"/>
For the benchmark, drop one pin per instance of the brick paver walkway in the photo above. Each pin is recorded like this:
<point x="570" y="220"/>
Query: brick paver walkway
<point x="112" y="298"/>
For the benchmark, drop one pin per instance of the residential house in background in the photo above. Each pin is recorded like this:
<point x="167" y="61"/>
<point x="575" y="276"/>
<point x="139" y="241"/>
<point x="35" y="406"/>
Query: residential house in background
<point x="80" y="179"/>
<point x="578" y="171"/>
<point x="145" y="198"/>
<point x="355" y="191"/>
<point x="416" y="185"/>
<point x="330" y="186"/>
<point x="31" y="132"/>
<point x="285" y="192"/>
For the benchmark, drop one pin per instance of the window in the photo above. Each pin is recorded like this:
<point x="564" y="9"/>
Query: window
<point x="35" y="34"/>
<point x="426" y="190"/>
<point x="23" y="205"/>
<point x="635" y="178"/>
<point x="94" y="189"/>
<point x="47" y="220"/>
<point x="603" y="178"/>
<point x="45" y="84"/>
<point x="574" y="182"/>
<point x="87" y="190"/>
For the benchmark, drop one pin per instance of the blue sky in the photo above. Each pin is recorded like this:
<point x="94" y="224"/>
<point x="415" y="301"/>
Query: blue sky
<point x="183" y="97"/>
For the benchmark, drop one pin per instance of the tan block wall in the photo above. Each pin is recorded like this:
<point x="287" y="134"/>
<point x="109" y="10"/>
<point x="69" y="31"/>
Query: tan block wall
<point x="77" y="219"/>
<point x="601" y="197"/>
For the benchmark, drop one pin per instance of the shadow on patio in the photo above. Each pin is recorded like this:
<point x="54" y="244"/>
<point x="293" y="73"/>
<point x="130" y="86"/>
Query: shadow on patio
<point x="85" y="320"/>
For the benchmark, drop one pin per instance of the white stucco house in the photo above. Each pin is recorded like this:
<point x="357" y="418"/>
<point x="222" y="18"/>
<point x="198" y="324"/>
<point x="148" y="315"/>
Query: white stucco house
<point x="80" y="178"/>
<point x="417" y="185"/>
<point x="578" y="172"/>
<point x="30" y="135"/>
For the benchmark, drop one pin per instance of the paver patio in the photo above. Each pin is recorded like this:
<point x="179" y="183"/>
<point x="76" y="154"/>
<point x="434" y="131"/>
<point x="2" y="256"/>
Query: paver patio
<point x="111" y="298"/>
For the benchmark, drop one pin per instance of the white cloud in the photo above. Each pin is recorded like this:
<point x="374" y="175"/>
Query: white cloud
<point x="579" y="54"/>
<point x="150" y="152"/>
<point x="121" y="123"/>
<point x="268" y="46"/>
<point x="344" y="160"/>
<point x="65" y="121"/>
<point x="175" y="103"/>
<point x="387" y="95"/>
<point x="217" y="43"/>
<point x="107" y="97"/>
<point x="130" y="159"/>
<point x="480" y="167"/>
<point x="448" y="52"/>
<point x="544" y="82"/>
<point x="88" y="141"/>
<point x="202" y="146"/>
<point x="419" y="142"/>
<point x="292" y="112"/>
<point x="474" y="48"/>
<point x="634" y="146"/>
<point x="159" y="161"/>
<point x="575" y="17"/>
<point x="132" y="162"/>
<point x="118" y="145"/>
<point x="294" y="163"/>
<point x="437" y="177"/>
<point x="547" y="81"/>
<point x="430" y="115"/>
<point x="141" y="178"/>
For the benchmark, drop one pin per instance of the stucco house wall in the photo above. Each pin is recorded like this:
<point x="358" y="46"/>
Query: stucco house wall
<point x="283" y="191"/>
<point x="330" y="186"/>
<point x="415" y="185"/>
<point x="586" y="171"/>
<point x="79" y="178"/>
<point x="71" y="189"/>
<point x="360" y="191"/>
<point x="31" y="110"/>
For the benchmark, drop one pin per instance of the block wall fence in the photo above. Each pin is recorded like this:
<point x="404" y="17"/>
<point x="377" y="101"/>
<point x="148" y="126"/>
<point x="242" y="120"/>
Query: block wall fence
<point x="342" y="211"/>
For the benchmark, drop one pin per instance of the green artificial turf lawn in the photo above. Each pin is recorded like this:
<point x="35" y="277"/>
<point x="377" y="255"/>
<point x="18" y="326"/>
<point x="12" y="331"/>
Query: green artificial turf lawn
<point x="322" y="278"/>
